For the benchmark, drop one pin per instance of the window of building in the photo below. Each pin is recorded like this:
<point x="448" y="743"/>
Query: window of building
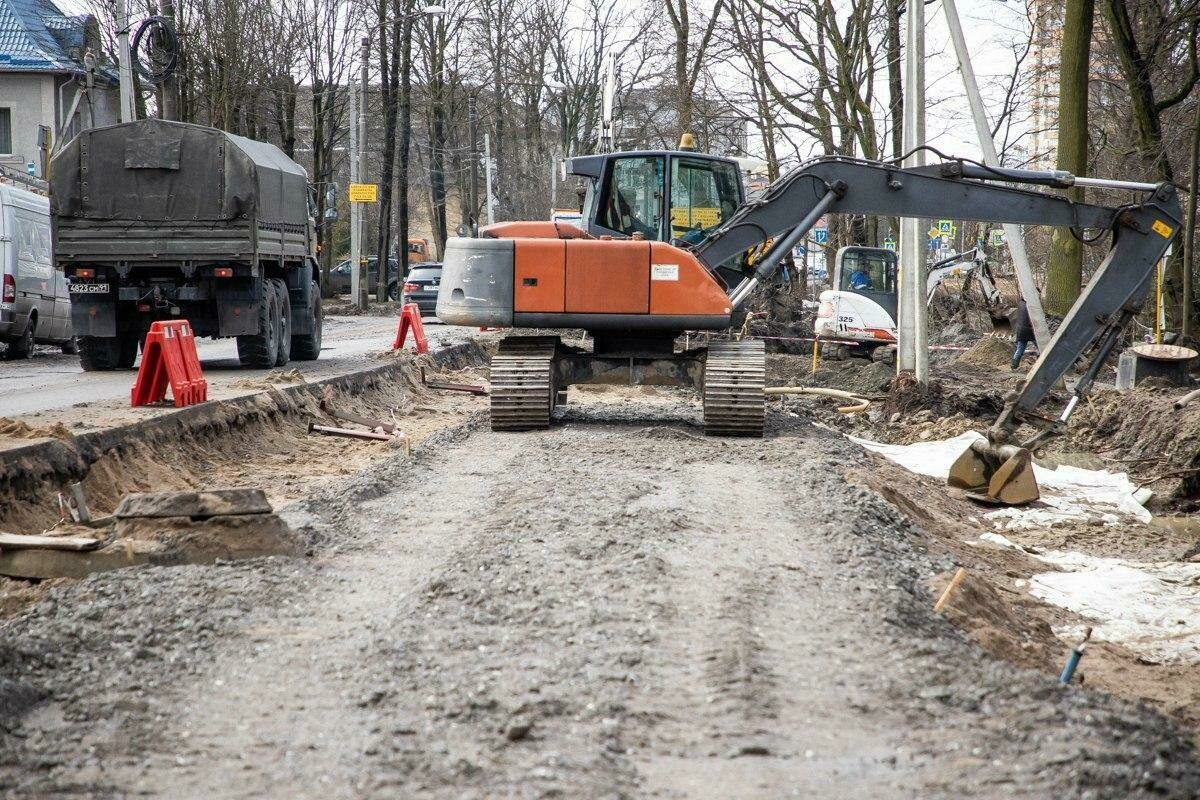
<point x="6" y="145"/>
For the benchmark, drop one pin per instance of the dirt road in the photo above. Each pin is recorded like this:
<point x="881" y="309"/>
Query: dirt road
<point x="615" y="608"/>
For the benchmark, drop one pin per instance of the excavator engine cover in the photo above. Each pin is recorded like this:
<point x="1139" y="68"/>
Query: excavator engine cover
<point x="995" y="474"/>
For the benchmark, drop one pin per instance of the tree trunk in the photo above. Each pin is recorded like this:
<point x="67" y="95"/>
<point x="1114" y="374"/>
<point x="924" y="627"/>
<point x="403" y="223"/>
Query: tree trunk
<point x="403" y="148"/>
<point x="1189" y="236"/>
<point x="389" y="83"/>
<point x="1064" y="270"/>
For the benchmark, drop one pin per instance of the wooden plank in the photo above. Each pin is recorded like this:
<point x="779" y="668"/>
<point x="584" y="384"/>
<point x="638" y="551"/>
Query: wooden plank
<point x="18" y="541"/>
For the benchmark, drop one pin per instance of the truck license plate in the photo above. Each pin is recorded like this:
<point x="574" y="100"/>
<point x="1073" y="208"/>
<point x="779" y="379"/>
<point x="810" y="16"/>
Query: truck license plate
<point x="89" y="288"/>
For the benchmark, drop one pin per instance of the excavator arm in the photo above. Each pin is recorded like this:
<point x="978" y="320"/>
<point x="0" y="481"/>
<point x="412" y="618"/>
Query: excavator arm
<point x="1139" y="235"/>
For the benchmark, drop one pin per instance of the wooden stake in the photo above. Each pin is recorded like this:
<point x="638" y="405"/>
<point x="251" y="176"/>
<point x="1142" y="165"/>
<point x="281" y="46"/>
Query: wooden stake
<point x="950" y="587"/>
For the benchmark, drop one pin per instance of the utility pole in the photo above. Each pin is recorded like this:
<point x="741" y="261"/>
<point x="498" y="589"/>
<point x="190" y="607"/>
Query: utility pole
<point x="473" y="132"/>
<point x="913" y="352"/>
<point x="125" y="67"/>
<point x="553" y="182"/>
<point x="608" y="93"/>
<point x="487" y="188"/>
<point x="1012" y="233"/>
<point x="170" y="87"/>
<point x="358" y="159"/>
<point x="355" y="254"/>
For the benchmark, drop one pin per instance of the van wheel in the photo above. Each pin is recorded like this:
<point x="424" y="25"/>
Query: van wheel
<point x="259" y="350"/>
<point x="307" y="346"/>
<point x="22" y="346"/>
<point x="99" y="353"/>
<point x="284" y="352"/>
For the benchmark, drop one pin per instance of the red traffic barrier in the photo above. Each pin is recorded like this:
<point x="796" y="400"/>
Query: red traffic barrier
<point x="169" y="358"/>
<point x="410" y="317"/>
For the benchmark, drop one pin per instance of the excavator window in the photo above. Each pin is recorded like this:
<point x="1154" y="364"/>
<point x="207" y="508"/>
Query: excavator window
<point x="704" y="194"/>
<point x="868" y="271"/>
<point x="632" y="199"/>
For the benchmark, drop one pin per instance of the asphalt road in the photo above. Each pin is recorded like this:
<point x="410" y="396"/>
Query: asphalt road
<point x="50" y="381"/>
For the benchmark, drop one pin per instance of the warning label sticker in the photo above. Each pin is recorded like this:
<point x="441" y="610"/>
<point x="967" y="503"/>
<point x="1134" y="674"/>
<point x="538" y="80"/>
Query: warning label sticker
<point x="664" y="272"/>
<point x="1162" y="229"/>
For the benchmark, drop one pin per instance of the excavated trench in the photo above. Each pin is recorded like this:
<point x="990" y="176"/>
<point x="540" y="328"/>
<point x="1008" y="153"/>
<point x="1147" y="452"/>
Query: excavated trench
<point x="260" y="441"/>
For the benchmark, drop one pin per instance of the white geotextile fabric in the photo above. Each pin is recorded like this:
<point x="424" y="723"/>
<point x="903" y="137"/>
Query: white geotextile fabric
<point x="1069" y="494"/>
<point x="1151" y="608"/>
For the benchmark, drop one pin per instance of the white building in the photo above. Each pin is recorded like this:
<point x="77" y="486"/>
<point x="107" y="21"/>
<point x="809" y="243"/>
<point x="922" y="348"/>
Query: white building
<point x="41" y="57"/>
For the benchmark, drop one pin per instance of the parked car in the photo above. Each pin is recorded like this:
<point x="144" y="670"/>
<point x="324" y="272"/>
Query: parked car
<point x="421" y="286"/>
<point x="35" y="305"/>
<point x="340" y="277"/>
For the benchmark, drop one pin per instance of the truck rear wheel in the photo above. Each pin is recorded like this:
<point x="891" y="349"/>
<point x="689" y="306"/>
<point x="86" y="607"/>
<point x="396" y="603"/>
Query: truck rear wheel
<point x="259" y="350"/>
<point x="307" y="346"/>
<point x="284" y="353"/>
<point x="101" y="353"/>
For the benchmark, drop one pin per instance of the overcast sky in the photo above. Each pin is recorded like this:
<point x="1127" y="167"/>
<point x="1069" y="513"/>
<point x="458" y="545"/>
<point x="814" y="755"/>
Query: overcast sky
<point x="990" y="26"/>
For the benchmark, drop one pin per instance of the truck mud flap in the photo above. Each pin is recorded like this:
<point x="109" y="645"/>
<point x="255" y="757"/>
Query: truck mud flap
<point x="237" y="317"/>
<point x="93" y="318"/>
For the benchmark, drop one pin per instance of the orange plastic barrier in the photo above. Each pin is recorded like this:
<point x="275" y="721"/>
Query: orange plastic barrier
<point x="410" y="317"/>
<point x="169" y="358"/>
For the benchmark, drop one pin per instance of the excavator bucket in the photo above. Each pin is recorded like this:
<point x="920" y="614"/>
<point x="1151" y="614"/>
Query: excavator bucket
<point x="1001" y="322"/>
<point x="995" y="474"/>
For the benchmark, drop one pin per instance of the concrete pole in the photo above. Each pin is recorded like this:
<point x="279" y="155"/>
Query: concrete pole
<point x="1012" y="233"/>
<point x="125" y="67"/>
<point x="170" y="87"/>
<point x="356" y="284"/>
<point x="913" y="352"/>
<point x="487" y="181"/>
<point x="361" y="294"/>
<point x="553" y="182"/>
<point x="473" y="133"/>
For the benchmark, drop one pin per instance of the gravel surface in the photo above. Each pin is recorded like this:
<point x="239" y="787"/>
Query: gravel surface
<point x="615" y="608"/>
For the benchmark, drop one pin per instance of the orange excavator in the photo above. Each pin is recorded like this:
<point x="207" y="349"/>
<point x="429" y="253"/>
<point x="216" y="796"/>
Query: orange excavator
<point x="666" y="251"/>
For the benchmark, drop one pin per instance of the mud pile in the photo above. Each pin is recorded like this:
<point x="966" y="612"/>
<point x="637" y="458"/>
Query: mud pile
<point x="990" y="352"/>
<point x="1141" y="432"/>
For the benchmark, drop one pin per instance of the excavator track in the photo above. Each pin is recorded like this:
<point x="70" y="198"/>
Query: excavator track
<point x="734" y="376"/>
<point x="522" y="378"/>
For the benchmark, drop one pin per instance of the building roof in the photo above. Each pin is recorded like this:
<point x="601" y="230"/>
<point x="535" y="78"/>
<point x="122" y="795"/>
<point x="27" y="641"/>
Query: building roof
<point x="35" y="36"/>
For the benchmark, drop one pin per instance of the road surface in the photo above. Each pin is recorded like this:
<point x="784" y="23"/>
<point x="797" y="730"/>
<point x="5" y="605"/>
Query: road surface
<point x="618" y="607"/>
<point x="49" y="385"/>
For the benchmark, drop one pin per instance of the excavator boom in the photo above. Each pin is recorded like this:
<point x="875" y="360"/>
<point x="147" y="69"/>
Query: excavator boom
<point x="1140" y="234"/>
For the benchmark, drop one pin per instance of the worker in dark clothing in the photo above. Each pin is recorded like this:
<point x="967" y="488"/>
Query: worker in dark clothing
<point x="1022" y="332"/>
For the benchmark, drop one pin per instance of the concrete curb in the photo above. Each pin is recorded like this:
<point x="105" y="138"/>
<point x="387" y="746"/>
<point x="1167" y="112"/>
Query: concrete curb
<point x="26" y="470"/>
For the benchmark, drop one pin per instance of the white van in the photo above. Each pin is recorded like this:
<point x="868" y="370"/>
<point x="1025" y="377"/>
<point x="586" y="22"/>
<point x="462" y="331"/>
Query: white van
<point x="34" y="303"/>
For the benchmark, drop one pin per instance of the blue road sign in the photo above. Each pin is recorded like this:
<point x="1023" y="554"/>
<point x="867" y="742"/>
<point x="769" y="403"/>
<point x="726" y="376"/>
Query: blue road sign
<point x="821" y="235"/>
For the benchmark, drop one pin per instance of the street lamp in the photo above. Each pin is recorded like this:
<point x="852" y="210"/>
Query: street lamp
<point x="358" y="158"/>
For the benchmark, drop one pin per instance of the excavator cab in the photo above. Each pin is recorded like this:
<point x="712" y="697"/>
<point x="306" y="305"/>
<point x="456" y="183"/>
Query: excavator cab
<point x="664" y="196"/>
<point x="870" y="272"/>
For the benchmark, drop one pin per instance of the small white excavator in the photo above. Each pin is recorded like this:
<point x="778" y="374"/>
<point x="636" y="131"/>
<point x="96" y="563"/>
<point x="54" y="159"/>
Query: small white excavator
<point x="859" y="313"/>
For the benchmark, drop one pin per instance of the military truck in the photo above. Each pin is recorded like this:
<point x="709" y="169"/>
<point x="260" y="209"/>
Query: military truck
<point x="157" y="220"/>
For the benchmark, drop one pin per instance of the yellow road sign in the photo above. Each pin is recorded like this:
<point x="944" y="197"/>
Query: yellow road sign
<point x="364" y="193"/>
